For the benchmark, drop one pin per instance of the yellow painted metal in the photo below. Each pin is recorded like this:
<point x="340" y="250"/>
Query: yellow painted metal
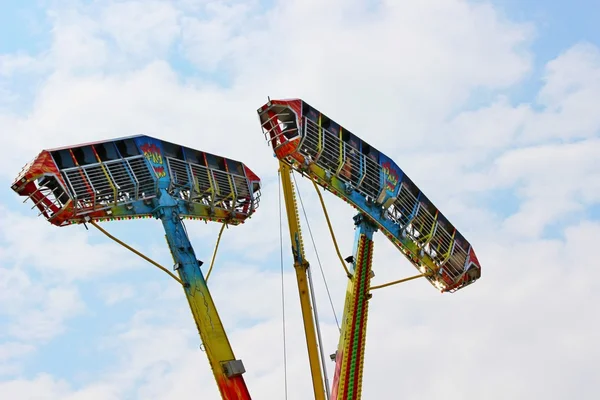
<point x="212" y="261"/>
<point x="338" y="385"/>
<point x="426" y="238"/>
<point x="410" y="278"/>
<point x="301" y="265"/>
<point x="216" y="344"/>
<point x="447" y="253"/>
<point x="337" y="249"/>
<point x="108" y="179"/>
<point x="128" y="247"/>
<point x="320" y="142"/>
<point x="341" y="153"/>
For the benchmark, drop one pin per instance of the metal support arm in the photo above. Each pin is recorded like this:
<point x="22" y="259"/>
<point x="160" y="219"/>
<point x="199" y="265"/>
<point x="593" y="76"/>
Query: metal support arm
<point x="226" y="369"/>
<point x="301" y="266"/>
<point x="349" y="359"/>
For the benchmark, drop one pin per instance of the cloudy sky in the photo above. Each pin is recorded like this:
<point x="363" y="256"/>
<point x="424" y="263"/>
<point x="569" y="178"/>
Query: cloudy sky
<point x="491" y="107"/>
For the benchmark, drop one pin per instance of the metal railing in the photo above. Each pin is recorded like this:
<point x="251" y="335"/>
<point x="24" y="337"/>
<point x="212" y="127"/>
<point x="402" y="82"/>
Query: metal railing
<point x="50" y="200"/>
<point x="104" y="185"/>
<point x="213" y="187"/>
<point x="363" y="174"/>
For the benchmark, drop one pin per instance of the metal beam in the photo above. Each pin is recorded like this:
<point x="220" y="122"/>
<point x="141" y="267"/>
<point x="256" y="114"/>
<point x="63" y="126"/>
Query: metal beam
<point x="226" y="369"/>
<point x="301" y="266"/>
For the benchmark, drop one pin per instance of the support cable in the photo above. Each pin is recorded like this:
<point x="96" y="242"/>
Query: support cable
<point x="212" y="262"/>
<point x="337" y="249"/>
<point x="318" y="325"/>
<point x="282" y="293"/>
<point x="151" y="261"/>
<point x="317" y="254"/>
<point x="410" y="278"/>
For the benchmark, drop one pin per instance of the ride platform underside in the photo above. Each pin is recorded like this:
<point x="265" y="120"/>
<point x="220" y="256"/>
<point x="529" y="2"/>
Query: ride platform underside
<point x="355" y="171"/>
<point x="140" y="176"/>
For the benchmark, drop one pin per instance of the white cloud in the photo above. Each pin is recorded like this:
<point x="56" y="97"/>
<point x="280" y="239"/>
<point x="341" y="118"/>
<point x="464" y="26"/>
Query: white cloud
<point x="141" y="28"/>
<point x="213" y="40"/>
<point x="37" y="311"/>
<point x="553" y="181"/>
<point x="9" y="351"/>
<point x="485" y="130"/>
<point x="14" y="63"/>
<point x="572" y="85"/>
<point x="75" y="46"/>
<point x="116" y="293"/>
<point x="46" y="319"/>
<point x="272" y="56"/>
<point x="65" y="253"/>
<point x="44" y="387"/>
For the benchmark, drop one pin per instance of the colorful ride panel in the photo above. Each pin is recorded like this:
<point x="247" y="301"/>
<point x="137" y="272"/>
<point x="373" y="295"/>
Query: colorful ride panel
<point x="315" y="145"/>
<point x="117" y="179"/>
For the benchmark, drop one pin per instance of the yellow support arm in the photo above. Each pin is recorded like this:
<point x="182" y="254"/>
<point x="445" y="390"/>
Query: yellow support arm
<point x="301" y="265"/>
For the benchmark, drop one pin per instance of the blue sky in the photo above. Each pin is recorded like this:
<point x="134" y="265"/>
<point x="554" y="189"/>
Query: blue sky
<point x="489" y="109"/>
<point x="558" y="24"/>
<point x="24" y="27"/>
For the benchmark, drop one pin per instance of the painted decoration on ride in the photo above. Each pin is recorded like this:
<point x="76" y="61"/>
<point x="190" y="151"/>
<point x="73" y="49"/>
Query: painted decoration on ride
<point x="152" y="150"/>
<point x="391" y="175"/>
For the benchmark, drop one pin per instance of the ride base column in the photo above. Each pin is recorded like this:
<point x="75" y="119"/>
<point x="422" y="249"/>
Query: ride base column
<point x="226" y="369"/>
<point x="347" y="380"/>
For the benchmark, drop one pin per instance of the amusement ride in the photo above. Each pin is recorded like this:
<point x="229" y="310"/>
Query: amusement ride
<point x="307" y="141"/>
<point x="144" y="177"/>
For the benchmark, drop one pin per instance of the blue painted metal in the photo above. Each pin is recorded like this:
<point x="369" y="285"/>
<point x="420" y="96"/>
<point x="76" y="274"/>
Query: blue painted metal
<point x="363" y="227"/>
<point x="217" y="347"/>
